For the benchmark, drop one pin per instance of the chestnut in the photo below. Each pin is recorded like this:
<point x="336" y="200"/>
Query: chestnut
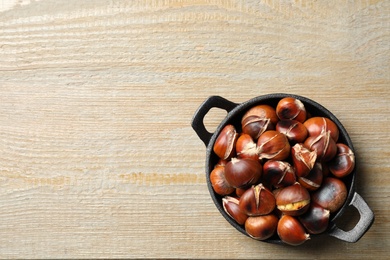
<point x="315" y="220"/>
<point x="224" y="145"/>
<point x="262" y="111"/>
<point x="324" y="146"/>
<point x="255" y="126"/>
<point x="331" y="195"/>
<point x="257" y="201"/>
<point x="241" y="173"/>
<point x="313" y="180"/>
<point x="344" y="161"/>
<point x="291" y="231"/>
<point x="261" y="227"/>
<point x="246" y="147"/>
<point x="295" y="131"/>
<point x="293" y="200"/>
<point x="273" y="145"/>
<point x="278" y="173"/>
<point x="303" y="159"/>
<point x="230" y="205"/>
<point x="317" y="125"/>
<point x="218" y="181"/>
<point x="291" y="108"/>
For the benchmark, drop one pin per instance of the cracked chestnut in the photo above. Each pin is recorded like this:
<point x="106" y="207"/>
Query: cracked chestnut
<point x="293" y="200"/>
<point x="292" y="109"/>
<point x="344" y="161"/>
<point x="257" y="201"/>
<point x="224" y="146"/>
<point x="230" y="205"/>
<point x="241" y="173"/>
<point x="303" y="159"/>
<point x="273" y="145"/>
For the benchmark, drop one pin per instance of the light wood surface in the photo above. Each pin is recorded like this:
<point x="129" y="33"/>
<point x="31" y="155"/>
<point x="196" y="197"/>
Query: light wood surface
<point x="97" y="155"/>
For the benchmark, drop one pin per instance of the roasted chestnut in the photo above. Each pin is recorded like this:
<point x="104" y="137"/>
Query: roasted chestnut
<point x="273" y="145"/>
<point x="291" y="108"/>
<point x="262" y="111"/>
<point x="293" y="200"/>
<point x="278" y="173"/>
<point x="257" y="201"/>
<point x="316" y="219"/>
<point x="291" y="231"/>
<point x="303" y="159"/>
<point x="255" y="126"/>
<point x="313" y="180"/>
<point x="218" y="181"/>
<point x="344" y="161"/>
<point x="295" y="131"/>
<point x="331" y="195"/>
<point x="324" y="146"/>
<point x="230" y="205"/>
<point x="246" y="147"/>
<point x="241" y="173"/>
<point x="261" y="227"/>
<point x="224" y="146"/>
<point x="317" y="125"/>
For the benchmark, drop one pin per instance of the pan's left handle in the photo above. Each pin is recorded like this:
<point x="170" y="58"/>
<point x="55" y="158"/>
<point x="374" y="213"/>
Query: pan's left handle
<point x="197" y="121"/>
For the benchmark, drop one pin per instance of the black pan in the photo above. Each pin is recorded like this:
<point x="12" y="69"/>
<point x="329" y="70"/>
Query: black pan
<point x="235" y="113"/>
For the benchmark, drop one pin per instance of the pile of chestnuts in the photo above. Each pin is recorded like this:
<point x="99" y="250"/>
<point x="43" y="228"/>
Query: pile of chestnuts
<point x="282" y="172"/>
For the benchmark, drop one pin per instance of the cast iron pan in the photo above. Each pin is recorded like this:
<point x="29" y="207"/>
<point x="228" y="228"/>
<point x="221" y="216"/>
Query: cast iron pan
<point x="235" y="112"/>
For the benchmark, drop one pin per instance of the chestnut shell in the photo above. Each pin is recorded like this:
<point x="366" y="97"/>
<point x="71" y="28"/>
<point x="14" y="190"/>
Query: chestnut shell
<point x="235" y="113"/>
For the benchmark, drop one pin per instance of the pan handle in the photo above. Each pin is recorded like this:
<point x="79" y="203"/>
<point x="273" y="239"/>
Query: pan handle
<point x="209" y="103"/>
<point x="366" y="220"/>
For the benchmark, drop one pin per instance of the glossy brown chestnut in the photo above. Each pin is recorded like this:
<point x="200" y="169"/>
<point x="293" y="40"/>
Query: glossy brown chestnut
<point x="224" y="146"/>
<point x="291" y="108"/>
<point x="255" y="126"/>
<point x="303" y="159"/>
<point x="230" y="205"/>
<point x="278" y="173"/>
<point x="262" y="111"/>
<point x="331" y="195"/>
<point x="343" y="163"/>
<point x="261" y="227"/>
<point x="241" y="173"/>
<point x="257" y="201"/>
<point x="246" y="147"/>
<point x="295" y="131"/>
<point x="313" y="180"/>
<point x="317" y="125"/>
<point x="315" y="220"/>
<point x="291" y="231"/>
<point x="218" y="181"/>
<point x="273" y="145"/>
<point x="324" y="146"/>
<point x="293" y="200"/>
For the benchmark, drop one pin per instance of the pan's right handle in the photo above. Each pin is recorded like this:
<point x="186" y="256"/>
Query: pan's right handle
<point x="366" y="219"/>
<point x="197" y="121"/>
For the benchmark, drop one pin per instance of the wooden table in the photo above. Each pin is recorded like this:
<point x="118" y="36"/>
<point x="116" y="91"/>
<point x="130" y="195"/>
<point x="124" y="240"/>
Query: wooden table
<point x="97" y="155"/>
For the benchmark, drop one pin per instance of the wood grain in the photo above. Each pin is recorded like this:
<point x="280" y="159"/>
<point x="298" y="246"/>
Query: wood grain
<point x="97" y="156"/>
